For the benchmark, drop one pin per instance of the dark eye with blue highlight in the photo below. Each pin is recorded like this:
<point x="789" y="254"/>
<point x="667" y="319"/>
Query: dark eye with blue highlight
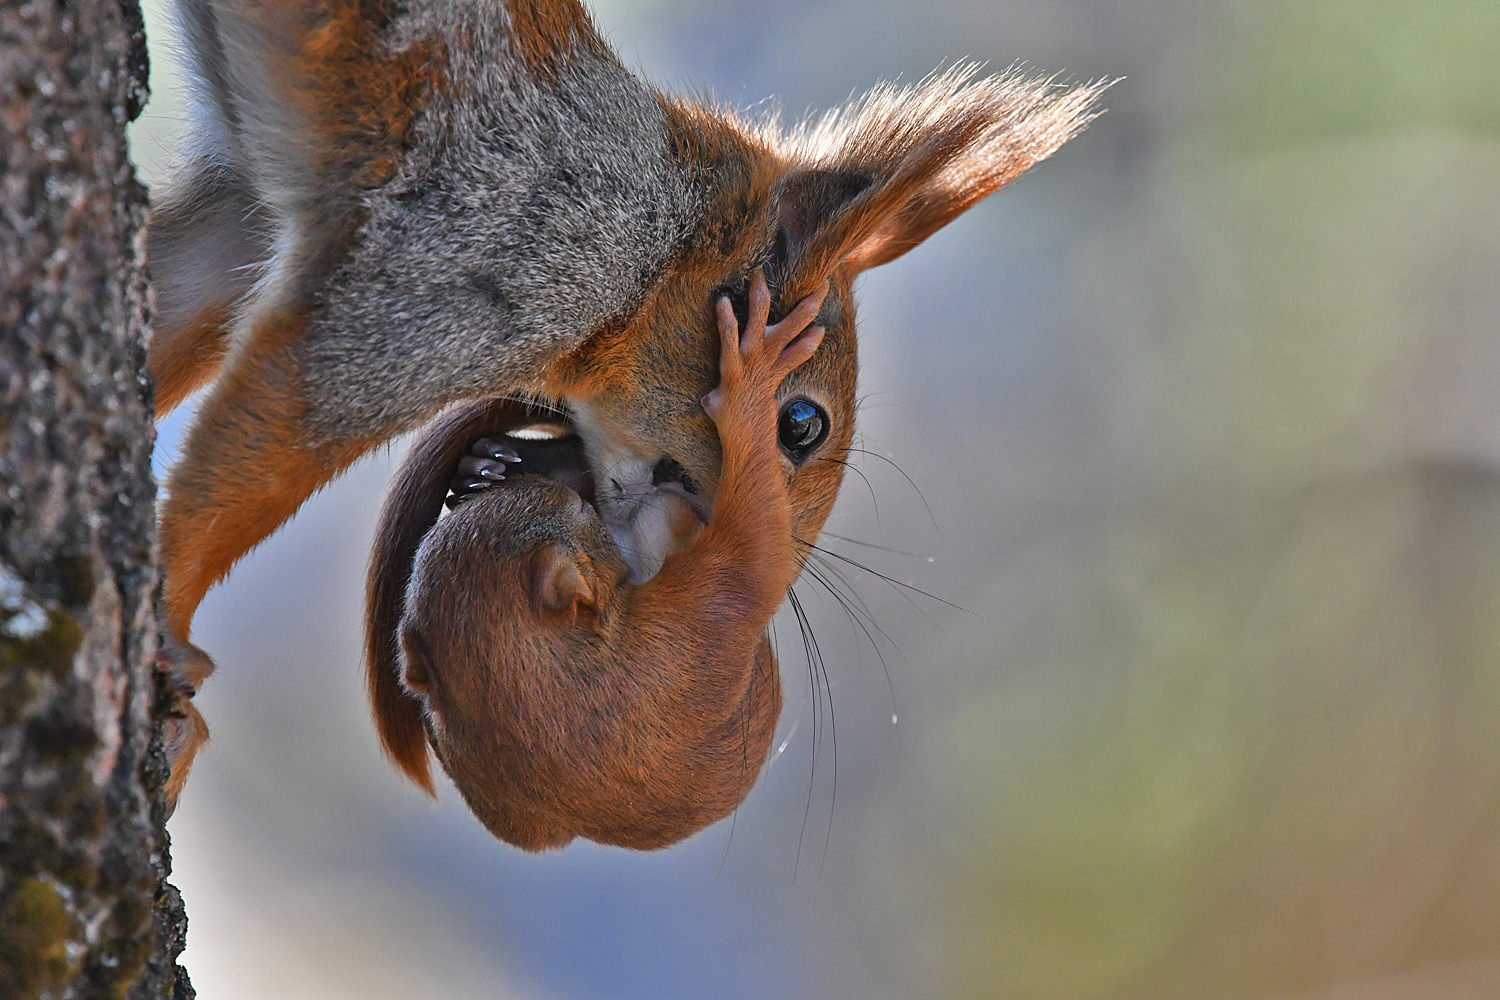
<point x="802" y="427"/>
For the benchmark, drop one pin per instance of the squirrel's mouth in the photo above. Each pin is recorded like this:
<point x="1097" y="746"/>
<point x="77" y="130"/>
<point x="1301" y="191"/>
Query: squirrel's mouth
<point x="650" y="508"/>
<point x="552" y="448"/>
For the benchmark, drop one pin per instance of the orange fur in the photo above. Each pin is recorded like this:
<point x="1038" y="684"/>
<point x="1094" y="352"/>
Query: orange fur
<point x="184" y="360"/>
<point x="547" y="32"/>
<point x="360" y="97"/>
<point x="245" y="469"/>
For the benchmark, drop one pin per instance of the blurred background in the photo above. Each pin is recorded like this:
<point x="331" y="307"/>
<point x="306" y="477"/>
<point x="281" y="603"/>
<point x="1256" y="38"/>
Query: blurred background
<point x="1193" y="434"/>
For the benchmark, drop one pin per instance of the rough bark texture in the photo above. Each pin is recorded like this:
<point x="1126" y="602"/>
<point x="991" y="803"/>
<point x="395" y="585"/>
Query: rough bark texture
<point x="85" y="910"/>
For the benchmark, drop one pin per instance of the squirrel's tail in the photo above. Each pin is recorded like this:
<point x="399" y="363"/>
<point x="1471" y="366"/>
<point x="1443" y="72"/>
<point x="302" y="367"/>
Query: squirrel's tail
<point x="411" y="508"/>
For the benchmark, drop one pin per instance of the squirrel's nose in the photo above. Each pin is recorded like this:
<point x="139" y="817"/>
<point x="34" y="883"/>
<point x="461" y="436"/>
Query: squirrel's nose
<point x="669" y="470"/>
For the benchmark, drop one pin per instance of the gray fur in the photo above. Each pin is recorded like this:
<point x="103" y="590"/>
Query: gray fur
<point x="205" y="240"/>
<point x="206" y="235"/>
<point x="524" y="222"/>
<point x="526" y="215"/>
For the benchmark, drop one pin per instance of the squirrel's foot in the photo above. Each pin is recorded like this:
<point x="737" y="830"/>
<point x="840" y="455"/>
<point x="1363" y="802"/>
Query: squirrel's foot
<point x="481" y="468"/>
<point x="183" y="734"/>
<point x="183" y="730"/>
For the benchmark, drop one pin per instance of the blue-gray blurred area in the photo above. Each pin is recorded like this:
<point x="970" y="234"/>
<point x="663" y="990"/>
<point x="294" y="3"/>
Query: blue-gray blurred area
<point x="1193" y="434"/>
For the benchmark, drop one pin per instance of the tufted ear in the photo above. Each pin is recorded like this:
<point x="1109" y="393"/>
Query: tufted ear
<point x="875" y="179"/>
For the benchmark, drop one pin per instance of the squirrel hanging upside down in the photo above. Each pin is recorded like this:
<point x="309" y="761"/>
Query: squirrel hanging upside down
<point x="384" y="209"/>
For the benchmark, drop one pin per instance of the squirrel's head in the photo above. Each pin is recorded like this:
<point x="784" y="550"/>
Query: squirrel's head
<point x="504" y="597"/>
<point x="819" y="204"/>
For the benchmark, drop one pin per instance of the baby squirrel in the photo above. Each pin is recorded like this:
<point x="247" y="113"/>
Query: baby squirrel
<point x="387" y="208"/>
<point x="565" y="700"/>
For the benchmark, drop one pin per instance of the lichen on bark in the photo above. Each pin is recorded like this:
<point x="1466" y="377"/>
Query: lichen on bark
<point x="85" y="909"/>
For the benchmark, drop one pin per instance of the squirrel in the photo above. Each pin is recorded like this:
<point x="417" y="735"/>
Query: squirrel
<point x="563" y="699"/>
<point x="384" y="209"/>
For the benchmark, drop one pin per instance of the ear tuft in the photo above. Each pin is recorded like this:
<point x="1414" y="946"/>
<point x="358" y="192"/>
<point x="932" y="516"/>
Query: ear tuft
<point x="922" y="156"/>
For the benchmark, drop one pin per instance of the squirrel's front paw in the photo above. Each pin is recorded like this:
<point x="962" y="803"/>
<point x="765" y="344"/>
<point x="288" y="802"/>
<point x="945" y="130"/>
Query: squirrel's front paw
<point x="481" y="468"/>
<point x="753" y="363"/>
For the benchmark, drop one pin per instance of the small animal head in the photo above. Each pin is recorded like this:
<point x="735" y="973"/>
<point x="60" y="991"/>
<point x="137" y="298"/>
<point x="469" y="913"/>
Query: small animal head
<point x="542" y="703"/>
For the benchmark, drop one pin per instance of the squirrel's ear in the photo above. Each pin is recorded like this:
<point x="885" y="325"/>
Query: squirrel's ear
<point x="416" y="660"/>
<point x="892" y="169"/>
<point x="561" y="581"/>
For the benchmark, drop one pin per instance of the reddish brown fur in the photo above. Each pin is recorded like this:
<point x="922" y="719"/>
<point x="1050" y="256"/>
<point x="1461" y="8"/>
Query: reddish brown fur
<point x="184" y="361"/>
<point x="565" y="702"/>
<point x="359" y="97"/>
<point x="245" y="469"/>
<point x="547" y="32"/>
<point x="412" y="507"/>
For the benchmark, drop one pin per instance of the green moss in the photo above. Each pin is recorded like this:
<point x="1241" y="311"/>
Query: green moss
<point x="33" y="950"/>
<point x="51" y="652"/>
<point x="76" y="574"/>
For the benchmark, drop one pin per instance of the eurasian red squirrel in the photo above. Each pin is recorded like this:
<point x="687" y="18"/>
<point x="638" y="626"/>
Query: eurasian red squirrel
<point x="387" y="208"/>
<point x="561" y="698"/>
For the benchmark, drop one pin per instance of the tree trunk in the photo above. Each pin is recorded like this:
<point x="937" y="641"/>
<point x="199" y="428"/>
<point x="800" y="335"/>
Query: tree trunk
<point x="85" y="910"/>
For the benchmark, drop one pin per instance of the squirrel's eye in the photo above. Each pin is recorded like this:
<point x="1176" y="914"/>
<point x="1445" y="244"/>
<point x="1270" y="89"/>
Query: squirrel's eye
<point x="802" y="427"/>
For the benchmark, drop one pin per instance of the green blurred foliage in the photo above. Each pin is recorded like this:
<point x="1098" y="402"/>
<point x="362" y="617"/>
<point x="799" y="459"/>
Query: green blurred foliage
<point x="1296" y="72"/>
<point x="1269" y="707"/>
<point x="1240" y="736"/>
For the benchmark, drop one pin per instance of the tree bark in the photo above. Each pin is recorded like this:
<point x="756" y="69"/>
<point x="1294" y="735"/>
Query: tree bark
<point x="85" y="909"/>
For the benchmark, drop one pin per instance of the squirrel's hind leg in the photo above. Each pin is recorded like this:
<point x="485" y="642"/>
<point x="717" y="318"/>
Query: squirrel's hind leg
<point x="247" y="466"/>
<point x="184" y="359"/>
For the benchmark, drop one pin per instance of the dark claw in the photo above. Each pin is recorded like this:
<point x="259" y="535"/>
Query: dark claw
<point x="470" y="484"/>
<point x="486" y="468"/>
<point x="462" y="487"/>
<point x="488" y="448"/>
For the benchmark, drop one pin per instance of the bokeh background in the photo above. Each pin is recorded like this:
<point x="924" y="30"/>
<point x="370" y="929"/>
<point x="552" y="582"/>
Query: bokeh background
<point x="1197" y="426"/>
